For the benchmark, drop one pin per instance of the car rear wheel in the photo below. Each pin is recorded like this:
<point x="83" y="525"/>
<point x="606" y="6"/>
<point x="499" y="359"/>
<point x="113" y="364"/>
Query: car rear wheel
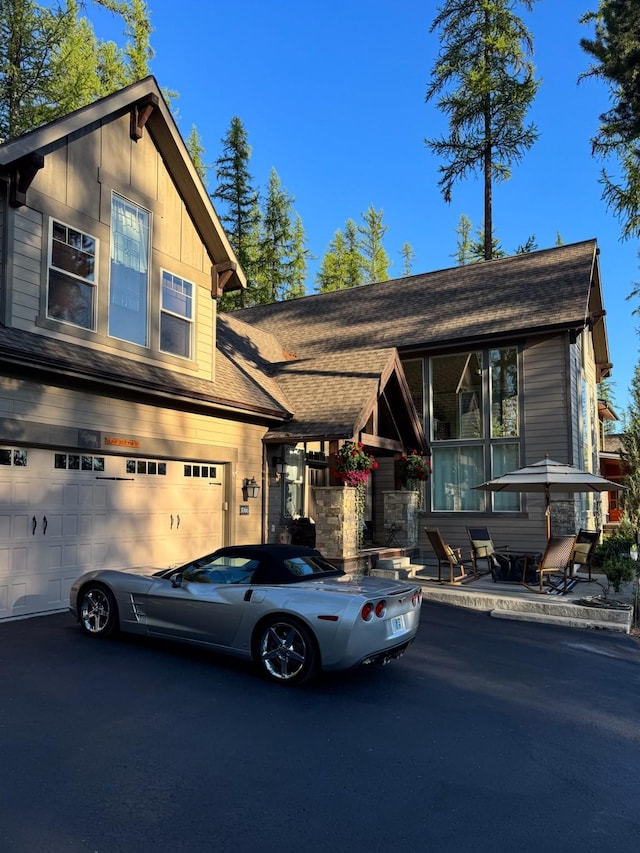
<point x="98" y="611"/>
<point x="287" y="651"/>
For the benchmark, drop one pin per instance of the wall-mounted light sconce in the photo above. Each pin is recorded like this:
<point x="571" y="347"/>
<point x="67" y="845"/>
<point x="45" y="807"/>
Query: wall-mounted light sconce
<point x="279" y="464"/>
<point x="250" y="489"/>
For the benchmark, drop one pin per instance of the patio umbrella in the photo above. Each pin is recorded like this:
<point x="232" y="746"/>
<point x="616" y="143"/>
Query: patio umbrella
<point x="548" y="476"/>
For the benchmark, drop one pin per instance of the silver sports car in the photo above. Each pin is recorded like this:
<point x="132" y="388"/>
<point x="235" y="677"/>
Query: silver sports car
<point x="283" y="606"/>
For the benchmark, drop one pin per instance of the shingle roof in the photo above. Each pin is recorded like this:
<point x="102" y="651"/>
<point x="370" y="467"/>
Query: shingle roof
<point x="524" y="293"/>
<point x="234" y="386"/>
<point x="333" y="395"/>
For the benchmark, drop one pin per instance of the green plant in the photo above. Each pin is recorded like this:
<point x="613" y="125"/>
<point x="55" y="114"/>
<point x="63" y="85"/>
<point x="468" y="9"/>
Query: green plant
<point x="414" y="466"/>
<point x="353" y="464"/>
<point x="612" y="556"/>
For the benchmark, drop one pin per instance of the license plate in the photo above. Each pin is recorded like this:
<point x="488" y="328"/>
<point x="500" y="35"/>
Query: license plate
<point x="397" y="624"/>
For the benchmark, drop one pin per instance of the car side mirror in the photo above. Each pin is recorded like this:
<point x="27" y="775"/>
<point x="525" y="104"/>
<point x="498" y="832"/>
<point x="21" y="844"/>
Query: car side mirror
<point x="176" y="580"/>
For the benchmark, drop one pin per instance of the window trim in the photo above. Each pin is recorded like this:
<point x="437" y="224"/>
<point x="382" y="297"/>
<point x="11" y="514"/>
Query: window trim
<point x="56" y="220"/>
<point x="165" y="311"/>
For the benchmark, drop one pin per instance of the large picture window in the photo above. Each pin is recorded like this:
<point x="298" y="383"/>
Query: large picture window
<point x="475" y="428"/>
<point x="72" y="269"/>
<point x="176" y="315"/>
<point x="128" y="293"/>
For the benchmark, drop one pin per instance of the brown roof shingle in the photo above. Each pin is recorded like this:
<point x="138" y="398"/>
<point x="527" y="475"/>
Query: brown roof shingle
<point x="524" y="293"/>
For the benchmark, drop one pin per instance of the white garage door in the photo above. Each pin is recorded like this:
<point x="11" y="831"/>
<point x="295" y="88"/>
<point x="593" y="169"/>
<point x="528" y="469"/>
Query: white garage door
<point x="62" y="514"/>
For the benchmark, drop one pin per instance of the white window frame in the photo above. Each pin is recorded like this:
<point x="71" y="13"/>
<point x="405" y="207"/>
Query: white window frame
<point x="90" y="282"/>
<point x="190" y="321"/>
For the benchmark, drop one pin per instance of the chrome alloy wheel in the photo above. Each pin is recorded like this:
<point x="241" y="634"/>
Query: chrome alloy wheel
<point x="97" y="611"/>
<point x="286" y="651"/>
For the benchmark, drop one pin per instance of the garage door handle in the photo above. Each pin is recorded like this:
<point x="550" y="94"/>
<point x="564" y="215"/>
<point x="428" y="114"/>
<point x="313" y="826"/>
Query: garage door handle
<point x="178" y="522"/>
<point x="44" y="525"/>
<point x="34" y="525"/>
<point x="171" y="522"/>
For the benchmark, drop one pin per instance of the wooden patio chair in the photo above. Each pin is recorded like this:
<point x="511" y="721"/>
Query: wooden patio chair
<point x="449" y="557"/>
<point x="584" y="549"/>
<point x="556" y="560"/>
<point x="483" y="550"/>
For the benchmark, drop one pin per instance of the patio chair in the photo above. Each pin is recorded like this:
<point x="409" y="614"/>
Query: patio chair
<point x="584" y="550"/>
<point x="483" y="549"/>
<point x="556" y="561"/>
<point x="449" y="557"/>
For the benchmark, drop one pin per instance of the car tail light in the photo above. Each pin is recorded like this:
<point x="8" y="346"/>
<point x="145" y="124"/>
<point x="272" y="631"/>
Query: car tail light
<point x="416" y="598"/>
<point x="367" y="611"/>
<point x="381" y="608"/>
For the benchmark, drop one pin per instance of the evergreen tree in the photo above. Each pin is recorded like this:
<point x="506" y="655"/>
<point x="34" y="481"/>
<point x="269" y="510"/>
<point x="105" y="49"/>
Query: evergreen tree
<point x="606" y="393"/>
<point x="408" y="257"/>
<point x="376" y="261"/>
<point x="479" y="251"/>
<point x="463" y="253"/>
<point x="274" y="266"/>
<point x="239" y="212"/>
<point x="196" y="152"/>
<point x="341" y="266"/>
<point x="616" y="54"/>
<point x="529" y="245"/>
<point x="29" y="34"/>
<point x="52" y="63"/>
<point x="300" y="257"/>
<point x="138" y="29"/>
<point x="485" y="78"/>
<point x="630" y="451"/>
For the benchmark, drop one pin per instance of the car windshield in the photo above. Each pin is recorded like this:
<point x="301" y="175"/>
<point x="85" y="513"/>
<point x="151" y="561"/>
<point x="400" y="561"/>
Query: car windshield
<point x="220" y="570"/>
<point x="309" y="565"/>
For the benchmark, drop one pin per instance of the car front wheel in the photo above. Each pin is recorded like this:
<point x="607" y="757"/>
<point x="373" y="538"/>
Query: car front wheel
<point x="287" y="651"/>
<point x="98" y="611"/>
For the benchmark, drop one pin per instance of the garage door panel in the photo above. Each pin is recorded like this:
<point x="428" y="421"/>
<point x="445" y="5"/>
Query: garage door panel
<point x="82" y="522"/>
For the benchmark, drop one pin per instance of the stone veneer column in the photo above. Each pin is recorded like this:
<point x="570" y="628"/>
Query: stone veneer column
<point x="336" y="522"/>
<point x="401" y="516"/>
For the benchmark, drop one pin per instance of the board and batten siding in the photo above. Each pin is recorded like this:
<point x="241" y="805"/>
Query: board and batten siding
<point x="75" y="186"/>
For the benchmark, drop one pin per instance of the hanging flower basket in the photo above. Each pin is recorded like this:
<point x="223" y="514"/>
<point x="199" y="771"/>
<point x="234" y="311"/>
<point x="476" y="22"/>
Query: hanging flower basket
<point x="414" y="469"/>
<point x="352" y="464"/>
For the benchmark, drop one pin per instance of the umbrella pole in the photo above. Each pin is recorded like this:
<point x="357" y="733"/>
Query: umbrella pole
<point x="547" y="512"/>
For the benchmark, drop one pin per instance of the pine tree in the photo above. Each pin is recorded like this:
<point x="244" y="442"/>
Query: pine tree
<point x="342" y="264"/>
<point x="239" y="211"/>
<point x="630" y="452"/>
<point x="463" y="253"/>
<point x="196" y="152"/>
<point x="617" y="62"/>
<point x="51" y="62"/>
<point x="485" y="78"/>
<point x="273" y="273"/>
<point x="300" y="257"/>
<point x="408" y="257"/>
<point x="371" y="236"/>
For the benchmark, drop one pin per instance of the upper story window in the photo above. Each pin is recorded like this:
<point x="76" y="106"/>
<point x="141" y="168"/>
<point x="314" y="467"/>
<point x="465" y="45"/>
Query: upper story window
<point x="72" y="268"/>
<point x="176" y="315"/>
<point x="129" y="279"/>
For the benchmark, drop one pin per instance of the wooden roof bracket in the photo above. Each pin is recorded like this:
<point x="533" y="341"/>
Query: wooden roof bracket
<point x="220" y="275"/>
<point x="22" y="173"/>
<point x="140" y="113"/>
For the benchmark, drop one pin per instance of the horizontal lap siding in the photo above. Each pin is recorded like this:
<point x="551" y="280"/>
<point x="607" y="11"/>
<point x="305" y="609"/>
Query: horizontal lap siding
<point x="546" y="430"/>
<point x="26" y="268"/>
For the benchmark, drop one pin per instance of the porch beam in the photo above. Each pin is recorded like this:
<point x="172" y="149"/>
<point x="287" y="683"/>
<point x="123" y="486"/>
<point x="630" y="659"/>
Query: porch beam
<point x="382" y="443"/>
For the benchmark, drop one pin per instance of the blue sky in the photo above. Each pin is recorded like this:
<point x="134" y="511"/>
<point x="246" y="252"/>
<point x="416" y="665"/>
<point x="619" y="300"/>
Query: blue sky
<point x="332" y="95"/>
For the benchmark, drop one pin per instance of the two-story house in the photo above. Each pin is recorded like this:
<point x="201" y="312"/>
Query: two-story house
<point x="138" y="426"/>
<point x="131" y="426"/>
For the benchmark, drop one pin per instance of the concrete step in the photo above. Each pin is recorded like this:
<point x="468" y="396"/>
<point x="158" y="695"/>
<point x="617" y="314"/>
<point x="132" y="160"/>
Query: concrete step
<point x="389" y="573"/>
<point x="394" y="563"/>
